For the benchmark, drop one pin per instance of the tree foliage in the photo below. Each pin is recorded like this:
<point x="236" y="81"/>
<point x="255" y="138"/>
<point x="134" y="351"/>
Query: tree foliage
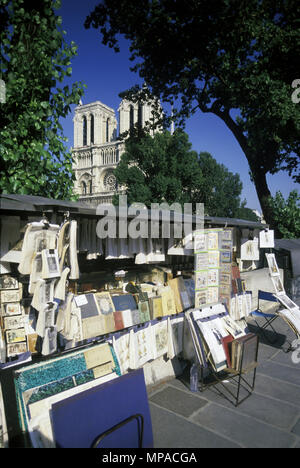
<point x="287" y="214"/>
<point x="235" y="59"/>
<point x="164" y="168"/>
<point x="160" y="168"/>
<point x="34" y="61"/>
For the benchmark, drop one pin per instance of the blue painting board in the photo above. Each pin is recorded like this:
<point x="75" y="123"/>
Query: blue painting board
<point x="79" y="419"/>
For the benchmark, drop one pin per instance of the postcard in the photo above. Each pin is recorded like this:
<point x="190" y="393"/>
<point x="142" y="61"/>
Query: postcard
<point x="213" y="259"/>
<point x="226" y="234"/>
<point x="201" y="261"/>
<point x="212" y="295"/>
<point x="225" y="256"/>
<point x="213" y="277"/>
<point x="201" y="279"/>
<point x="225" y="278"/>
<point x="212" y="240"/>
<point x="200" y="298"/>
<point x="200" y="243"/>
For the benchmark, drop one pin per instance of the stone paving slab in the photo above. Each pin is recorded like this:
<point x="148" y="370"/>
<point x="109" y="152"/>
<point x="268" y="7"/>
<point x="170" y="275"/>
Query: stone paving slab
<point x="278" y="389"/>
<point x="173" y="431"/>
<point x="296" y="428"/>
<point x="174" y="400"/>
<point x="279" y="371"/>
<point x="245" y="430"/>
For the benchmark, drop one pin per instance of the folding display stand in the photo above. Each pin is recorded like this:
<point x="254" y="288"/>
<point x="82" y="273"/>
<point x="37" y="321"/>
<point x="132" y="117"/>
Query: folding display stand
<point x="232" y="376"/>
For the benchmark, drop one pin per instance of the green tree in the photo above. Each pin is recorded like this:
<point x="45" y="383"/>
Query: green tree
<point x="162" y="168"/>
<point x="221" y="196"/>
<point x="235" y="59"/>
<point x="287" y="214"/>
<point x="34" y="61"/>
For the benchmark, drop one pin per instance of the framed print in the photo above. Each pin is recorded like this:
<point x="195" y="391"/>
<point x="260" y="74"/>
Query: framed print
<point x="10" y="295"/>
<point x="15" y="321"/>
<point x="16" y="348"/>
<point x="278" y="285"/>
<point x="8" y="282"/>
<point x="14" y="336"/>
<point x="11" y="308"/>
<point x="272" y="264"/>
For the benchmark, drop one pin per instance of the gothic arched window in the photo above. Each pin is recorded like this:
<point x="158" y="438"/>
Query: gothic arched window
<point x="107" y="130"/>
<point x="92" y="128"/>
<point x="140" y="115"/>
<point x="83" y="188"/>
<point x="84" y="131"/>
<point x="91" y="186"/>
<point x="131" y="117"/>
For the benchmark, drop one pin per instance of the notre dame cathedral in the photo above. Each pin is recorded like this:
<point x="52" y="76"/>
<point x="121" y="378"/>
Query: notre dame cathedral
<point x="97" y="149"/>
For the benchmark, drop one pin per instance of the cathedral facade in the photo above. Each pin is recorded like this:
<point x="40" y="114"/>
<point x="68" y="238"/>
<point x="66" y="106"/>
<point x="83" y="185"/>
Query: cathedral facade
<point x="97" y="149"/>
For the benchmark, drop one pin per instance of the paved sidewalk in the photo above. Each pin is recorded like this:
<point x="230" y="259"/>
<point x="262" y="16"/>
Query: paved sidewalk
<point x="269" y="418"/>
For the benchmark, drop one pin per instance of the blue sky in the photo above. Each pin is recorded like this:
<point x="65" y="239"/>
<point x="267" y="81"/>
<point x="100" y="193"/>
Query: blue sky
<point x="107" y="73"/>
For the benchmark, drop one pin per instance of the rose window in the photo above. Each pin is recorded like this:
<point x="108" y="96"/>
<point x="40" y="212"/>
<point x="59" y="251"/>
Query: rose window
<point x="110" y="181"/>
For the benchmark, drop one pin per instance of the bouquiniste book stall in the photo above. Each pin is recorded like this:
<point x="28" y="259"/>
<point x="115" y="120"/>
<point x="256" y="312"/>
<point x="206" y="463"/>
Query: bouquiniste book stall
<point x="68" y="330"/>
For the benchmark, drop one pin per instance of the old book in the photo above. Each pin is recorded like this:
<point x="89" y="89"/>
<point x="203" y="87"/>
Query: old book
<point x="174" y="285"/>
<point x="109" y="323"/>
<point x="127" y="318"/>
<point x="124" y="301"/>
<point x="87" y="304"/>
<point x="93" y="326"/>
<point x="135" y="314"/>
<point x="227" y="342"/>
<point x="168" y="301"/>
<point x="105" y="303"/>
<point x="119" y="324"/>
<point x="190" y="288"/>
<point x="144" y="311"/>
<point x="155" y="307"/>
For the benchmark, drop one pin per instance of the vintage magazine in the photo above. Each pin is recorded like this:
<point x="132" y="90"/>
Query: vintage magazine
<point x="50" y="264"/>
<point x="38" y="236"/>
